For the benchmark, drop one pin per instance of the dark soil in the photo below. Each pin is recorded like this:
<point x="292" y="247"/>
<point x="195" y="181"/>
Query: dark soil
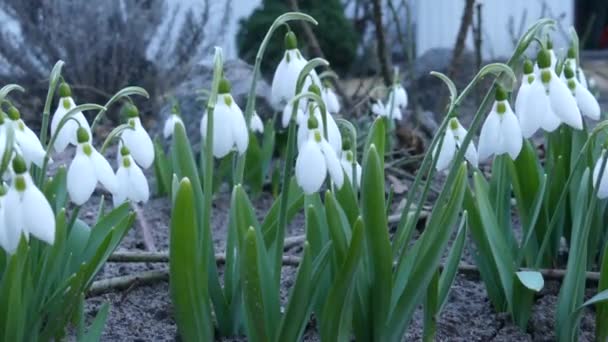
<point x="144" y="313"/>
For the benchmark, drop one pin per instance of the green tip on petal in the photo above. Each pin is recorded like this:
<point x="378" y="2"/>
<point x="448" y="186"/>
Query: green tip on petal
<point x="13" y="113"/>
<point x="291" y="42"/>
<point x="130" y="110"/>
<point x="454" y="124"/>
<point x="64" y="90"/>
<point x="82" y="135"/>
<point x="568" y="72"/>
<point x="126" y="162"/>
<point x="313" y="88"/>
<point x="312" y="122"/>
<point x="19" y="165"/>
<point x="571" y="53"/>
<point x="543" y="59"/>
<point x="224" y="87"/>
<point x="124" y="151"/>
<point x="528" y="67"/>
<point x="501" y="94"/>
<point x="346" y="145"/>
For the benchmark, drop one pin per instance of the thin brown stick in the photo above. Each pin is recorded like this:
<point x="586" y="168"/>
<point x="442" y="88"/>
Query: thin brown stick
<point x="380" y="40"/>
<point x="144" y="227"/>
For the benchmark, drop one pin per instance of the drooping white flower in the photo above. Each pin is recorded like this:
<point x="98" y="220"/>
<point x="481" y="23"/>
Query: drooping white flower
<point x="602" y="191"/>
<point x="229" y="126"/>
<point x="27" y="141"/>
<point x="586" y="102"/>
<point x="333" y="132"/>
<point x="500" y="132"/>
<point x="170" y="123"/>
<point x="316" y="158"/>
<point x="288" y="111"/>
<point x="331" y="100"/>
<point x="67" y="134"/>
<point x="380" y="109"/>
<point x="452" y="140"/>
<point x="286" y="75"/>
<point x="570" y="62"/>
<point x="398" y="96"/>
<point x="132" y="183"/>
<point x="346" y="160"/>
<point x="87" y="168"/>
<point x="548" y="94"/>
<point x="26" y="210"/>
<point x="137" y="139"/>
<point x="256" y="123"/>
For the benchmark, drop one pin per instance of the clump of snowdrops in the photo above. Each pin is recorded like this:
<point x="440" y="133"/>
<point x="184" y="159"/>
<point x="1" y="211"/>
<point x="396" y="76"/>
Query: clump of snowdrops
<point x="48" y="255"/>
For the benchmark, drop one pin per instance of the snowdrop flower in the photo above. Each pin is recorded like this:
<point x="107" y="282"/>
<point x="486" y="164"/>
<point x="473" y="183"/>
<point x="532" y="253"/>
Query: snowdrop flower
<point x="286" y="75"/>
<point x="331" y="99"/>
<point x="170" y="123"/>
<point x="453" y="137"/>
<point x="602" y="191"/>
<point x="398" y="96"/>
<point x="27" y="141"/>
<point x="500" y="132"/>
<point x="26" y="210"/>
<point x="87" y="168"/>
<point x="539" y="114"/>
<point x="380" y="109"/>
<point x="315" y="159"/>
<point x="576" y="68"/>
<point x="586" y="102"/>
<point x="67" y="134"/>
<point x="229" y="126"/>
<point x="288" y="111"/>
<point x="346" y="160"/>
<point x="256" y="123"/>
<point x="137" y="139"/>
<point x="333" y="132"/>
<point x="132" y="183"/>
<point x="548" y="95"/>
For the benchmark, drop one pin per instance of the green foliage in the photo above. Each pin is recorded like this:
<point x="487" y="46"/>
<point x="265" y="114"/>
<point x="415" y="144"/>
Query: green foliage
<point x="335" y="33"/>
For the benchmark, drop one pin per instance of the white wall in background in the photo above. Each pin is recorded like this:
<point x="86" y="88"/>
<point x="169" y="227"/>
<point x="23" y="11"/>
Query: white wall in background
<point x="438" y="21"/>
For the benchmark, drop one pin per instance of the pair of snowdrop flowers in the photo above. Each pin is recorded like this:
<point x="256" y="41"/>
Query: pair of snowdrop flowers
<point x="396" y="102"/>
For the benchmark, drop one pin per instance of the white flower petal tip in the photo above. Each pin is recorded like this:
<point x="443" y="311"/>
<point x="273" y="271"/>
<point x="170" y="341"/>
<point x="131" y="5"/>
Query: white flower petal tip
<point x="87" y="168"/>
<point x="139" y="143"/>
<point x="346" y="161"/>
<point x="563" y="103"/>
<point x="602" y="191"/>
<point x="501" y="133"/>
<point x="170" y="123"/>
<point x="131" y="181"/>
<point x="229" y="127"/>
<point x="453" y="138"/>
<point x="256" y="123"/>
<point x="587" y="103"/>
<point x="331" y="100"/>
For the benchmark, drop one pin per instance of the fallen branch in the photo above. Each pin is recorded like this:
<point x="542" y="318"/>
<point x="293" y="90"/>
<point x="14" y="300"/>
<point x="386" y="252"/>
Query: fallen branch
<point x="144" y="227"/>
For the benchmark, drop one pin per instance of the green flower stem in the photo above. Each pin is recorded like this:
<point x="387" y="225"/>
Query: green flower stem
<point x="116" y="132"/>
<point x="250" y="107"/>
<point x="54" y="78"/>
<point x="125" y="92"/>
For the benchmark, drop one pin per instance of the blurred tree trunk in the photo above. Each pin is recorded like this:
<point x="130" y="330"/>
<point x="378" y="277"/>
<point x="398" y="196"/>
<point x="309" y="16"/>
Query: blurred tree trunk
<point x="381" y="43"/>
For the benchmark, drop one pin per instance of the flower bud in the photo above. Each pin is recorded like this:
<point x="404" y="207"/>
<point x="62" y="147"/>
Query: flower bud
<point x="124" y="151"/>
<point x="568" y="72"/>
<point x="501" y="93"/>
<point x="346" y="144"/>
<point x="312" y="122"/>
<point x="543" y="59"/>
<point x="224" y="86"/>
<point x="13" y="113"/>
<point x="64" y="90"/>
<point x="454" y="124"/>
<point x="528" y="67"/>
<point x="571" y="52"/>
<point x="82" y="136"/>
<point x="19" y="165"/>
<point x="291" y="42"/>
<point x="130" y="110"/>
<point x="313" y="88"/>
<point x="549" y="43"/>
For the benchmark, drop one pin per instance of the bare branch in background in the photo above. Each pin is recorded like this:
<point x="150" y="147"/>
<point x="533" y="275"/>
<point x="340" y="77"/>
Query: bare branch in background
<point x="381" y="42"/>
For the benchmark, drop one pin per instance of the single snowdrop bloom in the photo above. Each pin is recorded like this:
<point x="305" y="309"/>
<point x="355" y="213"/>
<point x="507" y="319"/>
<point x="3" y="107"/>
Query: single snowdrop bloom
<point x="500" y="132"/>
<point x="27" y="141"/>
<point x="347" y="159"/>
<point x="586" y="102"/>
<point x="229" y="126"/>
<point x="256" y="123"/>
<point x="132" y="183"/>
<point x="26" y="210"/>
<point x="87" y="168"/>
<point x="170" y="123"/>
<point x="331" y="99"/>
<point x="602" y="191"/>
<point x="136" y="139"/>
<point x="67" y="134"/>
<point x="286" y="75"/>
<point x="316" y="158"/>
<point x="453" y="137"/>
<point x="333" y="132"/>
<point x="576" y="68"/>
<point x="548" y="95"/>
<point x="398" y="96"/>
<point x="537" y="114"/>
<point x="380" y="109"/>
<point x="288" y="111"/>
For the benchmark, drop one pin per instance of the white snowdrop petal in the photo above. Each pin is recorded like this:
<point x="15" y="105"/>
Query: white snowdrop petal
<point x="310" y="167"/>
<point x="240" y="133"/>
<point x="587" y="102"/>
<point x="602" y="191"/>
<point x="256" y="123"/>
<point x="401" y="96"/>
<point x="511" y="133"/>
<point x="581" y="77"/>
<point x="563" y="103"/>
<point x="333" y="164"/>
<point x="531" y="106"/>
<point x="302" y="136"/>
<point x="331" y="100"/>
<point x="283" y="86"/>
<point x="489" y="138"/>
<point x="124" y="185"/>
<point x="333" y="133"/>
<point x="378" y="108"/>
<point x="287" y="111"/>
<point x="104" y="172"/>
<point x="140" y="192"/>
<point x="448" y="148"/>
<point x="13" y="219"/>
<point x="81" y="178"/>
<point x="520" y="100"/>
<point x="348" y="168"/>
<point x="139" y="143"/>
<point x="170" y="123"/>
<point x="32" y="149"/>
<point x="222" y="133"/>
<point x="40" y="223"/>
